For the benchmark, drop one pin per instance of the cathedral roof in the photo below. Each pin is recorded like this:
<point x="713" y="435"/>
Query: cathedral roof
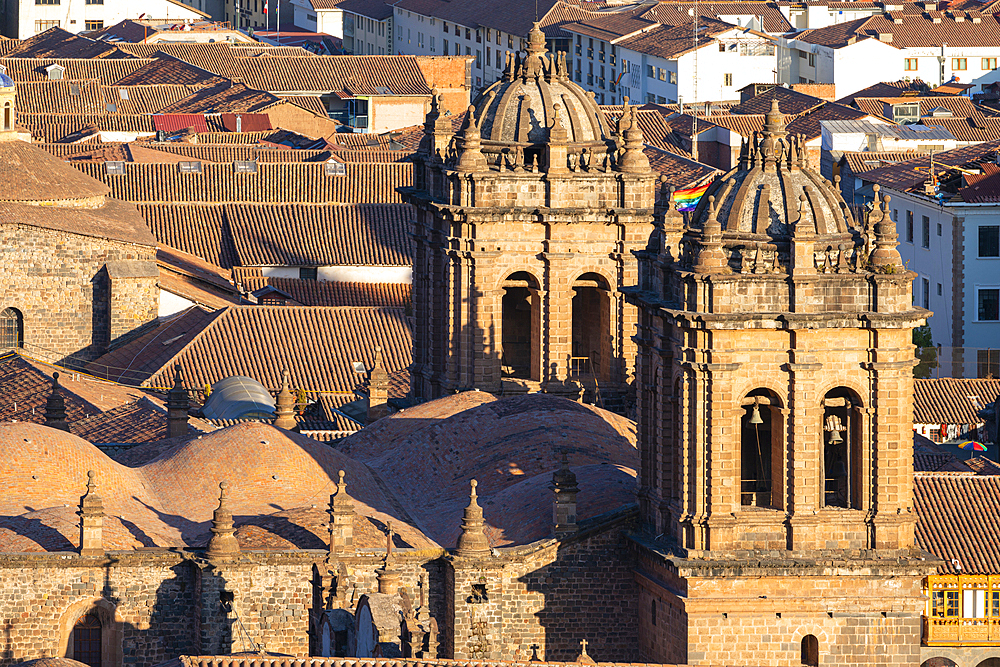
<point x="773" y="192"/>
<point x="30" y="174"/>
<point x="521" y="107"/>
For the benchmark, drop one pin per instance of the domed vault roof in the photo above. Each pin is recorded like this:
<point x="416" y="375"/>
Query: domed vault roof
<point x="522" y="106"/>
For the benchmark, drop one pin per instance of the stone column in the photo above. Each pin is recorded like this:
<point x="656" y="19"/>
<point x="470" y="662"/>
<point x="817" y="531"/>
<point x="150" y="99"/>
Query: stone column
<point x="341" y="521"/>
<point x="91" y="519"/>
<point x="284" y="412"/>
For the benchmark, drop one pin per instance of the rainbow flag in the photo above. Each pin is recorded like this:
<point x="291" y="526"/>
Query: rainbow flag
<point x="687" y="200"/>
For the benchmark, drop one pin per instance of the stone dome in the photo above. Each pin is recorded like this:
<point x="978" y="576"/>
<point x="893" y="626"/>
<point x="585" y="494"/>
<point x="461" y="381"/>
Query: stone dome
<point x="751" y="215"/>
<point x="5" y="81"/>
<point x="522" y="106"/>
<point x="31" y="175"/>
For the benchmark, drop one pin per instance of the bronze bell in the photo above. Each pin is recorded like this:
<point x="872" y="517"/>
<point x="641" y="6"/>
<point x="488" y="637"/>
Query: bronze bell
<point x="755" y="415"/>
<point x="835" y="437"/>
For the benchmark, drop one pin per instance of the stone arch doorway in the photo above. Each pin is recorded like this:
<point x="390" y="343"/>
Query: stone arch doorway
<point x="591" y="326"/>
<point x="93" y="627"/>
<point x="520" y="327"/>
<point x="762" y="437"/>
<point x="843" y="454"/>
<point x="809" y="651"/>
<point x="988" y="662"/>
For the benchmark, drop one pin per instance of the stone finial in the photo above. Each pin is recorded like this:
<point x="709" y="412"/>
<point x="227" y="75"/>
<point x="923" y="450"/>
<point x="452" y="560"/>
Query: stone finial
<point x="564" y="508"/>
<point x="284" y="411"/>
<point x="223" y="542"/>
<point x="773" y="144"/>
<point x="583" y="658"/>
<point x="55" y="406"/>
<point x="885" y="258"/>
<point x="711" y="258"/>
<point x="633" y="160"/>
<point x="470" y="155"/>
<point x="378" y="389"/>
<point x="177" y="406"/>
<point x="387" y="576"/>
<point x="472" y="542"/>
<point x="341" y="521"/>
<point x="91" y="519"/>
<point x="558" y="132"/>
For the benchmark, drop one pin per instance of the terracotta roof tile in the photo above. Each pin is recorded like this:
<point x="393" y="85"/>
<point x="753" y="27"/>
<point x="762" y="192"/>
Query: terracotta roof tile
<point x="808" y="123"/>
<point x="673" y="41"/>
<point x="948" y="400"/>
<point x="678" y="171"/>
<point x="914" y="31"/>
<point x="225" y="97"/>
<point x="195" y="279"/>
<point x="355" y="75"/>
<point x="133" y="423"/>
<point x="246" y="234"/>
<point x="303" y="182"/>
<point x="769" y="13"/>
<point x="59" y="43"/>
<point x="908" y="174"/>
<point x="62" y="96"/>
<point x="327" y="293"/>
<point x="316" y="344"/>
<point x="217" y="58"/>
<point x="51" y="127"/>
<point x="108" y="70"/>
<point x="885" y="89"/>
<point x="861" y="161"/>
<point x="240" y="152"/>
<point x="144" y="99"/>
<point x="742" y="124"/>
<point x="656" y="130"/>
<point x="790" y="102"/>
<point x="958" y="517"/>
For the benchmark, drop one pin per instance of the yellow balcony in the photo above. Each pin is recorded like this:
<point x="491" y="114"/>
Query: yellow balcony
<point x="962" y="610"/>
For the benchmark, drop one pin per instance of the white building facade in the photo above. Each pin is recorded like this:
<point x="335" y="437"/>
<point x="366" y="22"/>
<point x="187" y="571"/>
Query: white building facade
<point x="27" y="18"/>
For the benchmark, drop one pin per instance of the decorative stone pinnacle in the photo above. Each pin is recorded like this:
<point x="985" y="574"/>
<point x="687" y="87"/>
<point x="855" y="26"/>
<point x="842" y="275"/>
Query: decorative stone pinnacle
<point x="341" y="520"/>
<point x="885" y="258"/>
<point x="470" y="157"/>
<point x="472" y="542"/>
<point x="55" y="406"/>
<point x="223" y="542"/>
<point x="633" y="160"/>
<point x="91" y="514"/>
<point x="284" y="413"/>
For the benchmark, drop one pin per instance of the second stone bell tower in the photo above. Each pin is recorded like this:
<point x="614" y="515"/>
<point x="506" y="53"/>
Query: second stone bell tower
<point x="526" y="223"/>
<point x="775" y="424"/>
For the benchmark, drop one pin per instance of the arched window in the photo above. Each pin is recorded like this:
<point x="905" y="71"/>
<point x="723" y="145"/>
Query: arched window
<point x="87" y="640"/>
<point x="591" y="326"/>
<point x="762" y="440"/>
<point x="520" y="327"/>
<point x="810" y="651"/>
<point x="842" y="443"/>
<point x="8" y="117"/>
<point x="11" y="329"/>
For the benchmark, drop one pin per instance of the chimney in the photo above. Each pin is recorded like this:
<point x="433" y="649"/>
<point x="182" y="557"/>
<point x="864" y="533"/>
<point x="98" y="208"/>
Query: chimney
<point x="284" y="412"/>
<point x="177" y="407"/>
<point x="223" y="542"/>
<point x="55" y="407"/>
<point x="378" y="389"/>
<point x="564" y="507"/>
<point x="472" y="543"/>
<point x="91" y="519"/>
<point x="341" y="521"/>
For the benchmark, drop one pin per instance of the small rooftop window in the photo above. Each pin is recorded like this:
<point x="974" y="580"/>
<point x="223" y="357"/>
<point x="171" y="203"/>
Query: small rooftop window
<point x="114" y="168"/>
<point x="335" y="169"/>
<point x="189" y="167"/>
<point x="245" y="166"/>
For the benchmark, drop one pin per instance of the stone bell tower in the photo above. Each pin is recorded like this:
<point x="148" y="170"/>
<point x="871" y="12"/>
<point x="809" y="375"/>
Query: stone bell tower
<point x="776" y="436"/>
<point x="525" y="226"/>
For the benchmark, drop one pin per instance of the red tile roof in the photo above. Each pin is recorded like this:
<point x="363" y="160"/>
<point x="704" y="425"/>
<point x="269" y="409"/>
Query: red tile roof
<point x="674" y="13"/>
<point x="952" y="400"/>
<point x="59" y="43"/>
<point x="861" y="161"/>
<point x="171" y="122"/>
<point x="353" y="75"/>
<point x="108" y="70"/>
<point x="247" y="234"/>
<point x="282" y="182"/>
<point x="958" y="517"/>
<point x="327" y="293"/>
<point x="915" y="31"/>
<point x="908" y="174"/>
<point x="64" y="96"/>
<point x="790" y="102"/>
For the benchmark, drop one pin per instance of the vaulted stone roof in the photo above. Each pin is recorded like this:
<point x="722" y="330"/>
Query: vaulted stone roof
<point x="29" y="174"/>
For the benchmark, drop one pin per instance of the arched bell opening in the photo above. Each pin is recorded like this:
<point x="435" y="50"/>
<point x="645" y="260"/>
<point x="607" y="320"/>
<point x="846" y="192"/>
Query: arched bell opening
<point x="520" y="327"/>
<point x="761" y="450"/>
<point x="842" y="449"/>
<point x="591" y="327"/>
<point x="8" y="117"/>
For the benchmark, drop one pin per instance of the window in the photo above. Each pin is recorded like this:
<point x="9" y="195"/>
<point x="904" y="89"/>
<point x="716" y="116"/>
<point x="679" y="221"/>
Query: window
<point x="652" y="612"/>
<point x="803" y="55"/>
<point x="727" y="79"/>
<point x="95" y="2"/>
<point x="989" y="304"/>
<point x="307" y="273"/>
<point x="420" y="39"/>
<point x="650" y="71"/>
<point x="46" y="2"/>
<point x="458" y="49"/>
<point x="444" y="26"/>
<point x="87" y="640"/>
<point x="662" y="74"/>
<point x="939" y="229"/>
<point x="989" y="366"/>
<point x="8" y="116"/>
<point x="909" y="226"/>
<point x="673" y="77"/>
<point x="479" y="37"/>
<point x="510" y="41"/>
<point x="479" y="59"/>
<point x="925" y="231"/>
<point x="11" y="328"/>
<point x="989" y="241"/>
<point x="989" y="63"/>
<point x="468" y="33"/>
<point x="444" y="46"/>
<point x="432" y="43"/>
<point x="959" y="64"/>
<point x="812" y="60"/>
<point x="940" y="291"/>
<point x="944" y="604"/>
<point x="94" y="25"/>
<point x="926" y="292"/>
<point x="42" y="26"/>
<point x="910" y="65"/>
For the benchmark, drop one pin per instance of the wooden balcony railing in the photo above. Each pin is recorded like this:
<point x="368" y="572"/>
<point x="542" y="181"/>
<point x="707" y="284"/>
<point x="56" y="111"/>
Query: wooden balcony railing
<point x="961" y="631"/>
<point x="962" y="610"/>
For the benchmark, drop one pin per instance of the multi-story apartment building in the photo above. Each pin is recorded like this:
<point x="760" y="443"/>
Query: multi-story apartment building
<point x="948" y="223"/>
<point x="26" y="18"/>
<point x="934" y="46"/>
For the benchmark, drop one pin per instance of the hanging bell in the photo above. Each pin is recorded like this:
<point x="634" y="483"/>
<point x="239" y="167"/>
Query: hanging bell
<point x="755" y="415"/>
<point x="835" y="437"/>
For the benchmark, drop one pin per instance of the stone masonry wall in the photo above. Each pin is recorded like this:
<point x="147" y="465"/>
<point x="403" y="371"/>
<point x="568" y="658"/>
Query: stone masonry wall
<point x="53" y="279"/>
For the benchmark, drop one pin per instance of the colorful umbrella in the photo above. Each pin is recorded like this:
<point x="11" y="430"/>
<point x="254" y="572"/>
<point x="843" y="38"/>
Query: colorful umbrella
<point x="972" y="445"/>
